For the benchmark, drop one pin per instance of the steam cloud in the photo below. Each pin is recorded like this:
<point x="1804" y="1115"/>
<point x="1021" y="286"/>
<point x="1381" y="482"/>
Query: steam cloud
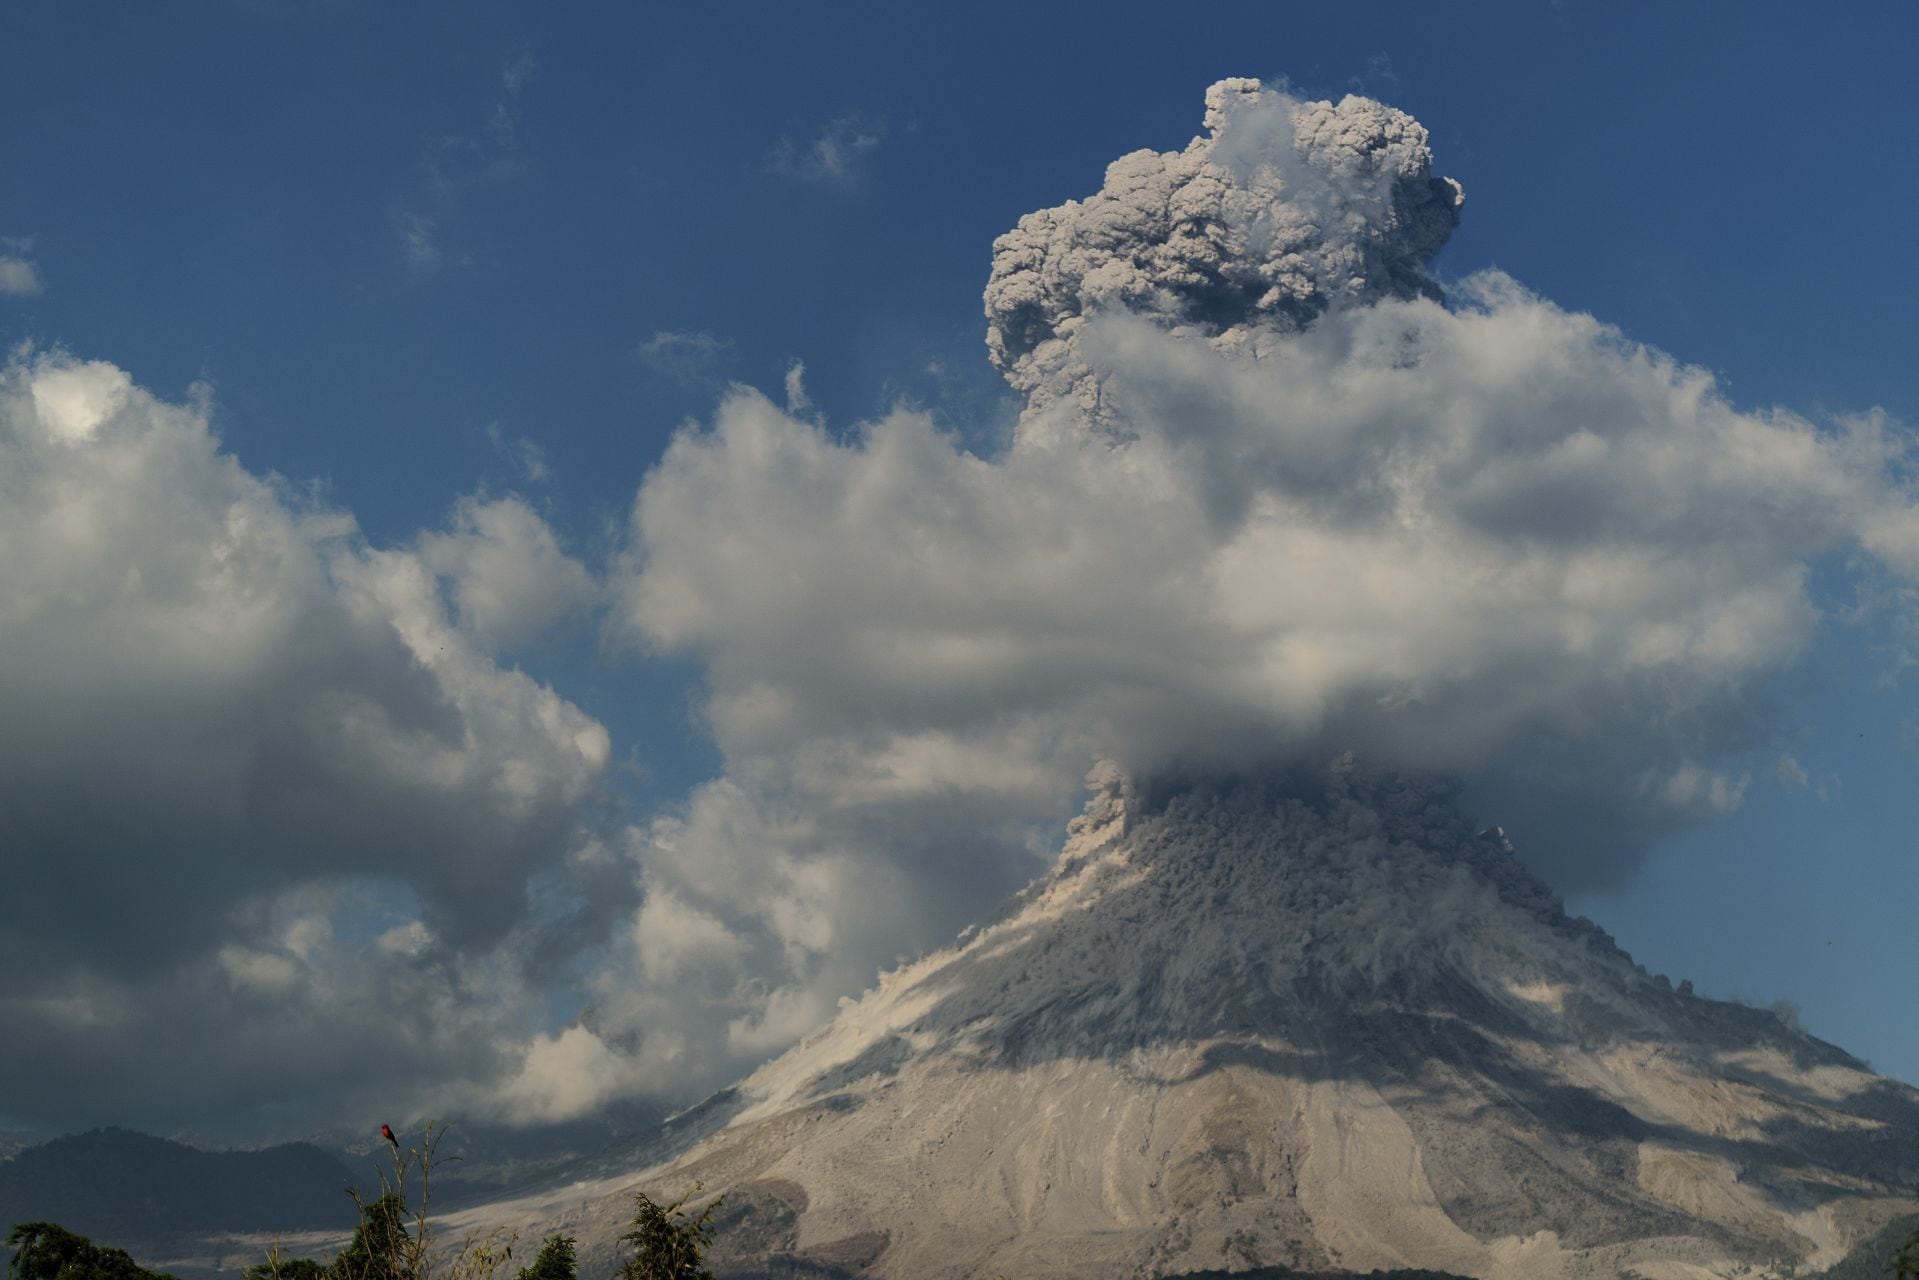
<point x="1274" y="495"/>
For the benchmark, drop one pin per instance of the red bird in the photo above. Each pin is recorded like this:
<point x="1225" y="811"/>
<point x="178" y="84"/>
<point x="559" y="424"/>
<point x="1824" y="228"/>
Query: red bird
<point x="388" y="1135"/>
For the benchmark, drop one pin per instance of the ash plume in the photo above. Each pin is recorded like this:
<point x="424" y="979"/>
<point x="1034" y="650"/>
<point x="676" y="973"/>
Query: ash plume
<point x="1280" y="211"/>
<point x="1273" y="496"/>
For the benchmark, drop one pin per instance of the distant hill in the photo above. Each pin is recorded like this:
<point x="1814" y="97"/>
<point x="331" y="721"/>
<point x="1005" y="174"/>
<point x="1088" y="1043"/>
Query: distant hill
<point x="475" y="1160"/>
<point x="116" y="1185"/>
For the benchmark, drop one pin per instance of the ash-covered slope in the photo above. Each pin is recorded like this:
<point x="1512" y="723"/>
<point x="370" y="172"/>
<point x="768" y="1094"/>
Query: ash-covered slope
<point x="1325" y="1027"/>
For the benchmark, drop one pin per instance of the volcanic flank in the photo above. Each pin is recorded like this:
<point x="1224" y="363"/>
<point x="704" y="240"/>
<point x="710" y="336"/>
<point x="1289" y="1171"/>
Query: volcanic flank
<point x="1321" y="1026"/>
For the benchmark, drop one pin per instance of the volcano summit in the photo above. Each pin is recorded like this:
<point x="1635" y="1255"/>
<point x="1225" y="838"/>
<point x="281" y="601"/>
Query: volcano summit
<point x="1276" y="497"/>
<point x="1320" y="1026"/>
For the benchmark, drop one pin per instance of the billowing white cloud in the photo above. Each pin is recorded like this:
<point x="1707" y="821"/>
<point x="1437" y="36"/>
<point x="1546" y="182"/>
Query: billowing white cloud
<point x="73" y="400"/>
<point x="270" y="806"/>
<point x="509" y="578"/>
<point x="1273" y="497"/>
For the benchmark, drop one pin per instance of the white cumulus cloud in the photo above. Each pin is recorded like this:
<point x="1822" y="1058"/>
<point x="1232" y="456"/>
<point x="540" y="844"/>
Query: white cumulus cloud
<point x="509" y="578"/>
<point x="275" y="807"/>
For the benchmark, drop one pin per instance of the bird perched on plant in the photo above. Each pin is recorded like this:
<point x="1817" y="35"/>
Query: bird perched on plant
<point x="387" y="1133"/>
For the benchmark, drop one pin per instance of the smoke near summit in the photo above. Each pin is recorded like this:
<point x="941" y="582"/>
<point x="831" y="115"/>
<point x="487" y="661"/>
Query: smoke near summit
<point x="1281" y="211"/>
<point x="1276" y="493"/>
<point x="339" y="792"/>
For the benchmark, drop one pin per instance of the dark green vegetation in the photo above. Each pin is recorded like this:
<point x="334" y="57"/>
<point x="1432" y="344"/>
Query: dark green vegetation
<point x="43" y="1251"/>
<point x="667" y="1242"/>
<point x="394" y="1238"/>
<point x="555" y="1261"/>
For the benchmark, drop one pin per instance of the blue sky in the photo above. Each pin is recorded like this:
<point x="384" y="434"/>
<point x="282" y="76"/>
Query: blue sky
<point x="434" y="253"/>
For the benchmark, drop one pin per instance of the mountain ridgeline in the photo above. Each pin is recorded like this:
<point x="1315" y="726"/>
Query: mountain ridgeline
<point x="121" y="1186"/>
<point x="1320" y="1029"/>
<point x="1312" y="1029"/>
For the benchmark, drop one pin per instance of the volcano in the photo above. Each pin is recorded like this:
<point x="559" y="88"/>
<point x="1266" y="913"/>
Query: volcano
<point x="1324" y="1025"/>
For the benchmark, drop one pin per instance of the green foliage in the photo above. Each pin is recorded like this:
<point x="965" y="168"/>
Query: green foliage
<point x="289" y="1269"/>
<point x="45" y="1251"/>
<point x="668" y="1243"/>
<point x="395" y="1240"/>
<point x="555" y="1262"/>
<point x="382" y="1247"/>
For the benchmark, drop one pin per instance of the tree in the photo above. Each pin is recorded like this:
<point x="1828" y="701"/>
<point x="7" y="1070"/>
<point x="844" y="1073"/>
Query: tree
<point x="668" y="1242"/>
<point x="395" y="1237"/>
<point x="1906" y="1264"/>
<point x="278" y="1268"/>
<point x="555" y="1261"/>
<point x="47" y="1251"/>
<point x="382" y="1247"/>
